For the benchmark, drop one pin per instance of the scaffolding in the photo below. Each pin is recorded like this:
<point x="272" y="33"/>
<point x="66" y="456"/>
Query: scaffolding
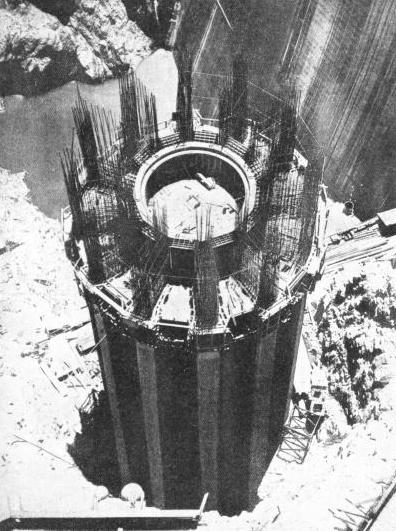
<point x="275" y="236"/>
<point x="233" y="101"/>
<point x="298" y="434"/>
<point x="206" y="273"/>
<point x="148" y="281"/>
<point x="184" y="98"/>
<point x="139" y="123"/>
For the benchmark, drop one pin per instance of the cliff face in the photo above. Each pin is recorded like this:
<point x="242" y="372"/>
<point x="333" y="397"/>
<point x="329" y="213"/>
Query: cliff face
<point x="39" y="50"/>
<point x="104" y="26"/>
<point x="153" y="16"/>
<point x="340" y="55"/>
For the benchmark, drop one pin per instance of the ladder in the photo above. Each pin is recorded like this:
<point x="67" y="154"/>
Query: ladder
<point x="298" y="433"/>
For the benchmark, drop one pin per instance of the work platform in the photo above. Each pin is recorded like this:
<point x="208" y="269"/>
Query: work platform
<point x="367" y="241"/>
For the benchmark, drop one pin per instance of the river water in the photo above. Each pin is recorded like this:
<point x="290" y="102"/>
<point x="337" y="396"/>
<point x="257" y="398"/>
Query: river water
<point x="35" y="130"/>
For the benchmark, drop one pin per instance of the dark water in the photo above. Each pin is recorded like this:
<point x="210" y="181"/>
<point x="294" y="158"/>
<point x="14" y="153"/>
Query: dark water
<point x="33" y="131"/>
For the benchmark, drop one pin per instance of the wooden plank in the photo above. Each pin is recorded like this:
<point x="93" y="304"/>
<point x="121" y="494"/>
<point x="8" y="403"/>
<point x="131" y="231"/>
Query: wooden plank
<point x="182" y="521"/>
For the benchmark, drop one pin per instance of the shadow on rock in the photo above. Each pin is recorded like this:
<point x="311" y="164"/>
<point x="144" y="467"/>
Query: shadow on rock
<point x="93" y="450"/>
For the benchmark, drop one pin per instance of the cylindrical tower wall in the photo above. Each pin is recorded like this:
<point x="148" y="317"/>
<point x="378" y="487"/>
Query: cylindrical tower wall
<point x="198" y="329"/>
<point x="117" y="355"/>
<point x="190" y="419"/>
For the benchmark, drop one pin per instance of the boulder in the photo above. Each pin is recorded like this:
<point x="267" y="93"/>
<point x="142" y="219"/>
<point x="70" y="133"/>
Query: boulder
<point x="38" y="51"/>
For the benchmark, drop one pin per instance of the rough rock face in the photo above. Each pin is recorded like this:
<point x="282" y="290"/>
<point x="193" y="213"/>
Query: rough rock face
<point x="153" y="16"/>
<point x="112" y="37"/>
<point x="356" y="322"/>
<point x="37" y="51"/>
<point x="61" y="9"/>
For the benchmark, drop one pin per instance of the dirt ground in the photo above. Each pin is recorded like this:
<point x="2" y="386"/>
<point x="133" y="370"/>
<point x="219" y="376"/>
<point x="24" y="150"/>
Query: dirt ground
<point x="349" y="462"/>
<point x="37" y="293"/>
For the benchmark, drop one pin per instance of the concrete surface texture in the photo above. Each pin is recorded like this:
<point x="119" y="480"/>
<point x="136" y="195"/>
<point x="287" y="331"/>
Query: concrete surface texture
<point x="185" y="202"/>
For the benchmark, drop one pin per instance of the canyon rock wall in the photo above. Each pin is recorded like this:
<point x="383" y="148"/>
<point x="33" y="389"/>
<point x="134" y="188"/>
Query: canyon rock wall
<point x="340" y="55"/>
<point x="153" y="16"/>
<point x="90" y="41"/>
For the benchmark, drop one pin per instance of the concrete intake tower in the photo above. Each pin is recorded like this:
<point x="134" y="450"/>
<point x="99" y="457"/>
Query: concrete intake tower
<point x="194" y="242"/>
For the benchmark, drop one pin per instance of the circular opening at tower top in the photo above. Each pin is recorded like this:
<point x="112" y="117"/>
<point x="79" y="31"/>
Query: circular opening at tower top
<point x="194" y="208"/>
<point x="191" y="194"/>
